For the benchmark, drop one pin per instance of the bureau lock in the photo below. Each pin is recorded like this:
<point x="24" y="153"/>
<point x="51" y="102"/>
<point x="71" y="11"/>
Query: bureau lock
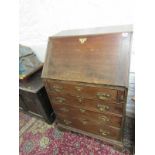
<point x="82" y="40"/>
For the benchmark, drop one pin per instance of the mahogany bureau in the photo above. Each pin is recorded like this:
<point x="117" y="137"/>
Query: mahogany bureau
<point x="86" y="77"/>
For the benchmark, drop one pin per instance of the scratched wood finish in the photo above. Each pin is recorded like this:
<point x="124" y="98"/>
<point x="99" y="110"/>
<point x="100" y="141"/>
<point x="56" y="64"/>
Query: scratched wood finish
<point x="86" y="78"/>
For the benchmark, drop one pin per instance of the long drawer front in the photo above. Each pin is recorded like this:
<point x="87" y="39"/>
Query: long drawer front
<point x="89" y="125"/>
<point x="73" y="112"/>
<point x="90" y="104"/>
<point x="98" y="92"/>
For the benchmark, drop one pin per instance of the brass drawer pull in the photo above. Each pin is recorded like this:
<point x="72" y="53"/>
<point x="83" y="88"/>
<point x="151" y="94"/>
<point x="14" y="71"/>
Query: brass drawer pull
<point x="82" y="110"/>
<point x="60" y="99"/>
<point x="104" y="118"/>
<point x="57" y="88"/>
<point x="103" y="96"/>
<point x="103" y="107"/>
<point x="64" y="109"/>
<point x="104" y="133"/>
<point x="78" y="88"/>
<point x="67" y="122"/>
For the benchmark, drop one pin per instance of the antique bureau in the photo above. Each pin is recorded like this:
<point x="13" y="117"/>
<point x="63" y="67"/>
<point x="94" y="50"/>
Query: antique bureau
<point x="86" y="77"/>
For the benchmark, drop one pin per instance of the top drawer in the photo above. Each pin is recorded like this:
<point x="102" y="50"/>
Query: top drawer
<point x="86" y="90"/>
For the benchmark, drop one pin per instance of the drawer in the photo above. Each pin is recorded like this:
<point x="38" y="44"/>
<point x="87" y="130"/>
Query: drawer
<point x="89" y="125"/>
<point x="108" y="119"/>
<point x="89" y="91"/>
<point x="89" y="104"/>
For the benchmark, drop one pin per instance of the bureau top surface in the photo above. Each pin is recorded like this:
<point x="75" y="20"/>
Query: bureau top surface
<point x="100" y="57"/>
<point x="95" y="31"/>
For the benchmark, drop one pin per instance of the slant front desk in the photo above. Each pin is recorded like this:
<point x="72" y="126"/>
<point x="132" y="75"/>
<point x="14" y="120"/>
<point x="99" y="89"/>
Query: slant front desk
<point x="86" y="75"/>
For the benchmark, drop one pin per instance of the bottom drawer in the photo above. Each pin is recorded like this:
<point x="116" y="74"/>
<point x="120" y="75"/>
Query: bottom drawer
<point x="91" y="126"/>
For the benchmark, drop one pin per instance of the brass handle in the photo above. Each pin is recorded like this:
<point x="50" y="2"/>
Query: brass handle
<point x="103" y="107"/>
<point x="78" y="88"/>
<point x="60" y="99"/>
<point x="104" y="133"/>
<point x="104" y="118"/>
<point x="64" y="109"/>
<point x="82" y="110"/>
<point x="82" y="40"/>
<point x="103" y="96"/>
<point x="57" y="88"/>
<point x="67" y="122"/>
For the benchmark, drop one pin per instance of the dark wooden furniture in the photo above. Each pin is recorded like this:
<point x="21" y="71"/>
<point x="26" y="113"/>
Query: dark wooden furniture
<point x="86" y="76"/>
<point x="34" y="99"/>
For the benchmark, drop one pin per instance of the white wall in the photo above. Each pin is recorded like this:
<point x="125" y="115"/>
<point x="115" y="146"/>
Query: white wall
<point x="42" y="18"/>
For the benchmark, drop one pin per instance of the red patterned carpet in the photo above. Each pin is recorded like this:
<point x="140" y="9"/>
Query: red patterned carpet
<point x="39" y="138"/>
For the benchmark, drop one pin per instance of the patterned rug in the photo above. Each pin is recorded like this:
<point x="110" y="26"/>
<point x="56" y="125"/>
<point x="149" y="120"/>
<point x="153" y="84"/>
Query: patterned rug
<point x="39" y="138"/>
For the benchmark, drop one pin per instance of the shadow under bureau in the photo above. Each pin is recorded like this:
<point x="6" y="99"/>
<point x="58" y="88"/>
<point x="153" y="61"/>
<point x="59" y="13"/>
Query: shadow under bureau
<point x="86" y="77"/>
